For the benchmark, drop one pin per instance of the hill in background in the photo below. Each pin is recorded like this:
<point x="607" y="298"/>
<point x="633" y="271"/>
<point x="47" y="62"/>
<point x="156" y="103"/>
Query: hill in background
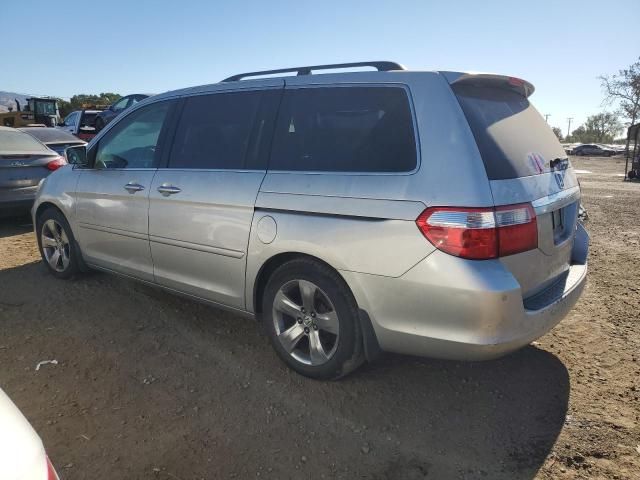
<point x="7" y="99"/>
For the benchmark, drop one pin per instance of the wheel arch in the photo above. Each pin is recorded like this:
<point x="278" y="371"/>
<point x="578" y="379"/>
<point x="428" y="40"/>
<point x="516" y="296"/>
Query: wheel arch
<point x="272" y="264"/>
<point x="367" y="337"/>
<point x="44" y="206"/>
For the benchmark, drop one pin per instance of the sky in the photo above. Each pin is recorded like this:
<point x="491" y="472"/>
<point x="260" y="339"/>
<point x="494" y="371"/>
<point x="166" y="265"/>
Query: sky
<point x="140" y="46"/>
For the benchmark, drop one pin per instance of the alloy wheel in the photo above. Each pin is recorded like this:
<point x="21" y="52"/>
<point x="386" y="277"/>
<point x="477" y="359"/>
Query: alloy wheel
<point x="55" y="245"/>
<point x="306" y="322"/>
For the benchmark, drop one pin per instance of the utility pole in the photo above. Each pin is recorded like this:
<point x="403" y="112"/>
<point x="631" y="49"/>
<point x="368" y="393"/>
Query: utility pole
<point x="569" y="126"/>
<point x="546" y="117"/>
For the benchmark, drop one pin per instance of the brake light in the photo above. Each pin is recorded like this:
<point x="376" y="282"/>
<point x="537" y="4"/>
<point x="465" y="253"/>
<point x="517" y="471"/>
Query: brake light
<point x="56" y="163"/>
<point x="480" y="233"/>
<point x="51" y="473"/>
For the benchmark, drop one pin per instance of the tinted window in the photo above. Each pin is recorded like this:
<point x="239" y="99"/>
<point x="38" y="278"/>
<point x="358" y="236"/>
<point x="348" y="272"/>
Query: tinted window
<point x="345" y="129"/>
<point x="89" y="119"/>
<point x="215" y="131"/>
<point x="512" y="137"/>
<point x="132" y="142"/>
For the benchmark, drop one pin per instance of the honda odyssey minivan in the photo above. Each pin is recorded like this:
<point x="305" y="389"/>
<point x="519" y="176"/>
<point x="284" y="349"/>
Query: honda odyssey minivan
<point x="425" y="213"/>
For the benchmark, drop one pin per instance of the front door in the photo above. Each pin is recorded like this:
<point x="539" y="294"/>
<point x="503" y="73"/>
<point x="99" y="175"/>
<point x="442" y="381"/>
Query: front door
<point x="202" y="203"/>
<point x="70" y="122"/>
<point x="112" y="198"/>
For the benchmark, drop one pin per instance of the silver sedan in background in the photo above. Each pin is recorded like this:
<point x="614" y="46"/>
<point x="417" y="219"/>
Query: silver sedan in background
<point x="24" y="161"/>
<point x="54" y="138"/>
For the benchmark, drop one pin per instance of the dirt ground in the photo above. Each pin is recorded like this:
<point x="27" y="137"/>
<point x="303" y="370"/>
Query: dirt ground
<point x="151" y="386"/>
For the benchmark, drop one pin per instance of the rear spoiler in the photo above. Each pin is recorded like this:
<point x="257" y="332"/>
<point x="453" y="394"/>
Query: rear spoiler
<point x="519" y="85"/>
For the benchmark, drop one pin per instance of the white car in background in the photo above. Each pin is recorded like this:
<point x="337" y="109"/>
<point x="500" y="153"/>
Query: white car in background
<point x="22" y="455"/>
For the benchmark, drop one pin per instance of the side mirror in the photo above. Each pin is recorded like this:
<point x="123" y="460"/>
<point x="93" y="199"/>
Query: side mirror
<point x="61" y="124"/>
<point x="77" y="156"/>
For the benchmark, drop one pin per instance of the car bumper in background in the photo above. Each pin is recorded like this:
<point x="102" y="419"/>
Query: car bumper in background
<point x="17" y="201"/>
<point x="448" y="307"/>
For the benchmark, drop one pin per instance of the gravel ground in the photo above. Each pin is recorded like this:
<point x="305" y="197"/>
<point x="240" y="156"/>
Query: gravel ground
<point x="152" y="386"/>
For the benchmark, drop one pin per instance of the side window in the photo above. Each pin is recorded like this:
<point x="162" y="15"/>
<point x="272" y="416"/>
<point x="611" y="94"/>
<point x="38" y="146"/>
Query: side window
<point x="70" y="119"/>
<point x="215" y="131"/>
<point x="121" y="104"/>
<point x="344" y="129"/>
<point x="132" y="143"/>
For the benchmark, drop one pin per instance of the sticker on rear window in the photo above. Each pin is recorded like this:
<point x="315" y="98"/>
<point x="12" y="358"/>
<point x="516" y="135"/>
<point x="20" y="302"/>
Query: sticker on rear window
<point x="537" y="162"/>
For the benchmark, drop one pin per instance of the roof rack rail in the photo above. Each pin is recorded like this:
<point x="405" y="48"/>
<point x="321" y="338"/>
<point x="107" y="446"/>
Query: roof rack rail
<point x="380" y="66"/>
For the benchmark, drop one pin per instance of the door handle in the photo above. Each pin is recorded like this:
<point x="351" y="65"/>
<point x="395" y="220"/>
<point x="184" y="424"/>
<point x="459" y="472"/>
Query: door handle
<point x="167" y="190"/>
<point x="133" y="187"/>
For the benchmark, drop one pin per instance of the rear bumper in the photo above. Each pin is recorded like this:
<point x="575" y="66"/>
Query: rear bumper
<point x="17" y="199"/>
<point x="447" y="307"/>
<point x="15" y="207"/>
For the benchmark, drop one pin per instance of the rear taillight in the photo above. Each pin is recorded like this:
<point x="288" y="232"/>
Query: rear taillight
<point x="56" y="163"/>
<point x="480" y="233"/>
<point x="51" y="473"/>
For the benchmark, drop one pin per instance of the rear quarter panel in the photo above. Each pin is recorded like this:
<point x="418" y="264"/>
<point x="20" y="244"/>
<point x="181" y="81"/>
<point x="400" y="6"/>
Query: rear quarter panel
<point x="358" y="222"/>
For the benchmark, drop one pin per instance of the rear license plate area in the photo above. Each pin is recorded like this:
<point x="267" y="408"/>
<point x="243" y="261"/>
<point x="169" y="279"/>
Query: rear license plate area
<point x="557" y="221"/>
<point x="560" y="219"/>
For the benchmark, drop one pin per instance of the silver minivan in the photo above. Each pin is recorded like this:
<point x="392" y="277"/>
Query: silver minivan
<point x="425" y="213"/>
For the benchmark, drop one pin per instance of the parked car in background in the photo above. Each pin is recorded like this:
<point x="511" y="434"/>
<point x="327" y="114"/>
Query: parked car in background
<point x="425" y="213"/>
<point x="81" y="123"/>
<point x="22" y="455"/>
<point x="118" y="107"/>
<point x="594" y="150"/>
<point x="54" y="138"/>
<point x="617" y="148"/>
<point x="569" y="147"/>
<point x="24" y="161"/>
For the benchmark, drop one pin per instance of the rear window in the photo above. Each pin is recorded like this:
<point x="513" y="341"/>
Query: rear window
<point x="16" y="141"/>
<point x="89" y="119"/>
<point x="512" y="137"/>
<point x="344" y="129"/>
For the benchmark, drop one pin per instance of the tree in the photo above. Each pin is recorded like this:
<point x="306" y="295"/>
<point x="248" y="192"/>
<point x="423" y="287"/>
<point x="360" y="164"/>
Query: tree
<point x="600" y="128"/>
<point x="578" y="136"/>
<point x="603" y="127"/>
<point x="82" y="100"/>
<point x="558" y="132"/>
<point x="624" y="88"/>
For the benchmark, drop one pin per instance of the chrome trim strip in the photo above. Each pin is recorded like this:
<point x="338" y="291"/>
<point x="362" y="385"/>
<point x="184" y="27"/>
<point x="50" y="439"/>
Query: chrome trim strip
<point x="165" y="241"/>
<point x="196" y="246"/>
<point x="114" y="231"/>
<point x="556" y="200"/>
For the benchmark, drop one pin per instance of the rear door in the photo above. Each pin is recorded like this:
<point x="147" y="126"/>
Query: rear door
<point x="23" y="163"/>
<point x="525" y="163"/>
<point x="112" y="198"/>
<point x="202" y="201"/>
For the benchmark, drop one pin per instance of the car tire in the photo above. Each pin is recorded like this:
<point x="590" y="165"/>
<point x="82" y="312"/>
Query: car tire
<point x="312" y="320"/>
<point x="58" y="247"/>
<point x="99" y="124"/>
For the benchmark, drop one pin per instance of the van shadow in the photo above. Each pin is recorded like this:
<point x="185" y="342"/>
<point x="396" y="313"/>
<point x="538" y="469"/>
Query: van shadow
<point x="401" y="418"/>
<point x="495" y="419"/>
